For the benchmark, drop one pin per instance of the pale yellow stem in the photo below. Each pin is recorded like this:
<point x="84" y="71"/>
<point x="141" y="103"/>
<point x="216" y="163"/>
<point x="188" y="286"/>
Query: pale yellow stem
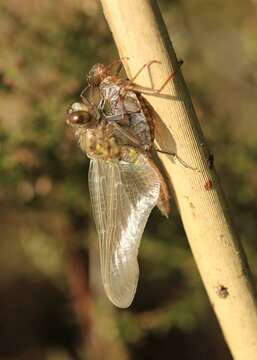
<point x="140" y="35"/>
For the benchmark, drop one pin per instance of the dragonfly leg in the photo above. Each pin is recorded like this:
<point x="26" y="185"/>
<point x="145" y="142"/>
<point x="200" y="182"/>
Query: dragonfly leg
<point x="126" y="134"/>
<point x="182" y="162"/>
<point x="172" y="76"/>
<point x="165" y="152"/>
<point x="132" y="86"/>
<point x="84" y="96"/>
<point x="147" y="65"/>
<point x="86" y="101"/>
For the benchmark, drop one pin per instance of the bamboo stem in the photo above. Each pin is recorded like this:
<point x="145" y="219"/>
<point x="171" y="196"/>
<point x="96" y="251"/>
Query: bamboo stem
<point x="140" y="35"/>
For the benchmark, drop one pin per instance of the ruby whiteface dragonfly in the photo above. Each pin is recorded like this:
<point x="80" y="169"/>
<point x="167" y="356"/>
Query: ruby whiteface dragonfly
<point x="124" y="186"/>
<point x="114" y="126"/>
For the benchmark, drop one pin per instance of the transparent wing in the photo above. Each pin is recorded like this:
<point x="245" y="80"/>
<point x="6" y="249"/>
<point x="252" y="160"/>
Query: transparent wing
<point x="122" y="196"/>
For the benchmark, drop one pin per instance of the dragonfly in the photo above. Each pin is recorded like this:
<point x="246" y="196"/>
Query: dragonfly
<point x="124" y="186"/>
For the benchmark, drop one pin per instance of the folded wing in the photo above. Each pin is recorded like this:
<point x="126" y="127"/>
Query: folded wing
<point x="122" y="196"/>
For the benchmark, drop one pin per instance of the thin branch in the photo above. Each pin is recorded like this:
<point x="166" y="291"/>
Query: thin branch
<point x="141" y="35"/>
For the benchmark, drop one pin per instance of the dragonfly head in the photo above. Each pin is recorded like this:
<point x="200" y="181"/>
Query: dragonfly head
<point x="80" y="115"/>
<point x="97" y="74"/>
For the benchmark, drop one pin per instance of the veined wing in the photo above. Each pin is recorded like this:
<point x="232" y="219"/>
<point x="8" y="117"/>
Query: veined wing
<point x="122" y="196"/>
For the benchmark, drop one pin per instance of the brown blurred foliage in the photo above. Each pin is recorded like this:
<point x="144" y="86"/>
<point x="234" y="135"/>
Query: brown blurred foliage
<point x="51" y="301"/>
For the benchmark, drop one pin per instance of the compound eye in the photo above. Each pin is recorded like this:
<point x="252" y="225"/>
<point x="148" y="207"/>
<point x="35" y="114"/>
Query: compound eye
<point x="79" y="117"/>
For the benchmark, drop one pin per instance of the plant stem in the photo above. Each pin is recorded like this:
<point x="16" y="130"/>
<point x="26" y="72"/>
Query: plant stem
<point x="140" y="35"/>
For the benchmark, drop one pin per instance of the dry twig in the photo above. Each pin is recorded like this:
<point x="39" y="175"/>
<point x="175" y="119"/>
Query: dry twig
<point x="140" y="34"/>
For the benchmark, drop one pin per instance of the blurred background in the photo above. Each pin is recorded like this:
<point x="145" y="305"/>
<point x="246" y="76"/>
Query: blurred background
<point x="52" y="305"/>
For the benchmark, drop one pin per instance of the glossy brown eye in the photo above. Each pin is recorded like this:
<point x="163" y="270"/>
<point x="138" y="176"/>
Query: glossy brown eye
<point x="79" y="117"/>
